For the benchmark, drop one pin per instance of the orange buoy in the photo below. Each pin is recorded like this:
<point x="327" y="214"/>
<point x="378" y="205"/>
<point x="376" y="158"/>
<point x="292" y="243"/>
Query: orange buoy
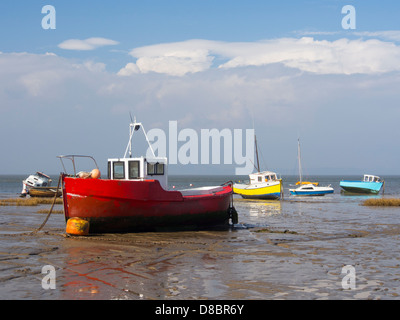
<point x="77" y="227"/>
<point x="95" y="174"/>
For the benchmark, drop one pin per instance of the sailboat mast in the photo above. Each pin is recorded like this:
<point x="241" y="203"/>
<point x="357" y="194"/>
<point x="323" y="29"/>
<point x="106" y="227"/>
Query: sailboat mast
<point x="258" y="163"/>
<point x="299" y="159"/>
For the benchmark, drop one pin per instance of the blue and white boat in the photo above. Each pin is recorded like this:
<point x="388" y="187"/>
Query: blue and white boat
<point x="308" y="188"/>
<point x="370" y="184"/>
<point x="311" y="190"/>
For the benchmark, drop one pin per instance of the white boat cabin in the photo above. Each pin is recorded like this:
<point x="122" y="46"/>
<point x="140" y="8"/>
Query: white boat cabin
<point x="371" y="178"/>
<point x="264" y="176"/>
<point x="38" y="179"/>
<point x="139" y="169"/>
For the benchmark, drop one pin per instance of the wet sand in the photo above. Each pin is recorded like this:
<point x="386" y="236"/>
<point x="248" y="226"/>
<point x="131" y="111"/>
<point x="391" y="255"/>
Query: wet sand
<point x="279" y="250"/>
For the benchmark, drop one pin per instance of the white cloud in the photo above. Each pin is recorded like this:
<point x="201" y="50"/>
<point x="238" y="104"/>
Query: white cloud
<point x="95" y="67"/>
<point x="317" y="33"/>
<point x="176" y="58"/>
<point x="252" y="85"/>
<point x="129" y="69"/>
<point x="87" y="44"/>
<point x="341" y="56"/>
<point x="391" y="35"/>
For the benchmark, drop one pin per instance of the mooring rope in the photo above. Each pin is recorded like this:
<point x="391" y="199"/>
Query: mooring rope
<point x="51" y="209"/>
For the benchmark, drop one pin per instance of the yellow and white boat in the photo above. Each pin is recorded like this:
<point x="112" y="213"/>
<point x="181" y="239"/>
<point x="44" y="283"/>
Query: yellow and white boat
<point x="263" y="185"/>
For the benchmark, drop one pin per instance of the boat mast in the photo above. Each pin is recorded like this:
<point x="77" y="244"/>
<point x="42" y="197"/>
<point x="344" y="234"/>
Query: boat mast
<point x="258" y="164"/>
<point x="299" y="158"/>
<point x="134" y="126"/>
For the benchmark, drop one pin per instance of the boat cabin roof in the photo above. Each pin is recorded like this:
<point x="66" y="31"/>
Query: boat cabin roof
<point x="263" y="173"/>
<point x="371" y="178"/>
<point x="260" y="176"/>
<point x="42" y="175"/>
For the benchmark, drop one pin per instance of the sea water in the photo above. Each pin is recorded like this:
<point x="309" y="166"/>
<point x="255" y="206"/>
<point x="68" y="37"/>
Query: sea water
<point x="293" y="248"/>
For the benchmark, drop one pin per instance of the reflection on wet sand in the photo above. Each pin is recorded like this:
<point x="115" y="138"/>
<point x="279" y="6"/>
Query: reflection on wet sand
<point x="261" y="208"/>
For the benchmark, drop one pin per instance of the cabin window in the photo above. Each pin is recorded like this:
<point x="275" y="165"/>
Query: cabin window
<point x="119" y="170"/>
<point x="155" y="168"/>
<point x="150" y="169"/>
<point x="259" y="179"/>
<point x="109" y="170"/>
<point x="134" y="172"/>
<point x="160" y="168"/>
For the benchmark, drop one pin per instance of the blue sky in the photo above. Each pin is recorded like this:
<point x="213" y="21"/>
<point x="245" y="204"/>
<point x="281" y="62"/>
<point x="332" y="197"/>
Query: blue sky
<point x="286" y="67"/>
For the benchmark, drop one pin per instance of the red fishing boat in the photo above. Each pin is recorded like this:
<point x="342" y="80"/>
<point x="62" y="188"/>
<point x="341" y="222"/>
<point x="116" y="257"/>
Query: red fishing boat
<point x="135" y="197"/>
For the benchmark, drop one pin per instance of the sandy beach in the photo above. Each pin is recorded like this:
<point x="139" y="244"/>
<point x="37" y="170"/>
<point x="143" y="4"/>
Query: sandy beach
<point x="291" y="249"/>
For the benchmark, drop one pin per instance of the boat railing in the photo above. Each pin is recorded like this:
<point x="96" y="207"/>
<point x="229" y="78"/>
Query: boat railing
<point x="72" y="159"/>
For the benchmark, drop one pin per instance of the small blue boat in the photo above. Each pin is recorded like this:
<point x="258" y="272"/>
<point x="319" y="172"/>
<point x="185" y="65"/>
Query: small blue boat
<point x="311" y="190"/>
<point x="370" y="184"/>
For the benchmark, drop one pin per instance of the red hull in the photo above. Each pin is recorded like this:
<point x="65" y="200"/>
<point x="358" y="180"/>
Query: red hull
<point x="125" y="206"/>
